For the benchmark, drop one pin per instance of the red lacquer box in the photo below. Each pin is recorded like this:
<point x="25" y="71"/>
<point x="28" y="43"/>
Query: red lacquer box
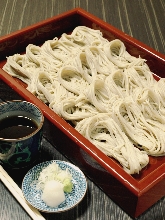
<point x="134" y="194"/>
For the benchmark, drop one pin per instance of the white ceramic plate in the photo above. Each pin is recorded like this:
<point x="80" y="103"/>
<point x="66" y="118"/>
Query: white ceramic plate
<point x="33" y="195"/>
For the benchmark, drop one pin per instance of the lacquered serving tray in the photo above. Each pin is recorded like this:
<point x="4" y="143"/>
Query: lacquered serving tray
<point x="134" y="194"/>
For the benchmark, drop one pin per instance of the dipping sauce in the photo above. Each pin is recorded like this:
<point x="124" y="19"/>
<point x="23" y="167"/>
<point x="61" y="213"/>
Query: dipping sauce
<point x="13" y="127"/>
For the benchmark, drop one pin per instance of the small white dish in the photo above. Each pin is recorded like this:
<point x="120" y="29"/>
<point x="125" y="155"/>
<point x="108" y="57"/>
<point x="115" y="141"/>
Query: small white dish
<point x="33" y="195"/>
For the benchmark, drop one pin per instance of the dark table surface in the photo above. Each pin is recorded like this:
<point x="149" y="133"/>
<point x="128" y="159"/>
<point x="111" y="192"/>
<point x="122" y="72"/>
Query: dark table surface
<point x="142" y="19"/>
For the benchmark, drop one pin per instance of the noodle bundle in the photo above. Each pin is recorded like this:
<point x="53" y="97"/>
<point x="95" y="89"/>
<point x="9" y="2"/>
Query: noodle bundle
<point x="109" y="95"/>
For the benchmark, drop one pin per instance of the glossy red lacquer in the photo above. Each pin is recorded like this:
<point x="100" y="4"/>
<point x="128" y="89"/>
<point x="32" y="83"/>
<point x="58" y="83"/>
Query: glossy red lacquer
<point x="134" y="194"/>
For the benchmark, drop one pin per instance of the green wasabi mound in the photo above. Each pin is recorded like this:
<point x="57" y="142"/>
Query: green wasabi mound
<point x="68" y="185"/>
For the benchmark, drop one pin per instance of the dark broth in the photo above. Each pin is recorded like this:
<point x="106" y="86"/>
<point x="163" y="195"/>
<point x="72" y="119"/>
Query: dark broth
<point x="13" y="127"/>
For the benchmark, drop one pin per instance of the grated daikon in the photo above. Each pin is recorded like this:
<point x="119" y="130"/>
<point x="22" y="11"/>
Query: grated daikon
<point x="53" y="194"/>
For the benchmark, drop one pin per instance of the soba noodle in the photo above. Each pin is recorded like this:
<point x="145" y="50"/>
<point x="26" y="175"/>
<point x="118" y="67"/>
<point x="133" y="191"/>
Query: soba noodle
<point x="109" y="95"/>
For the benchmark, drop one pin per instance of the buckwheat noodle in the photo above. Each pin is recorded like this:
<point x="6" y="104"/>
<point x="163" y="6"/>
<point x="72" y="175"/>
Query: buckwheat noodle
<point x="110" y="96"/>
